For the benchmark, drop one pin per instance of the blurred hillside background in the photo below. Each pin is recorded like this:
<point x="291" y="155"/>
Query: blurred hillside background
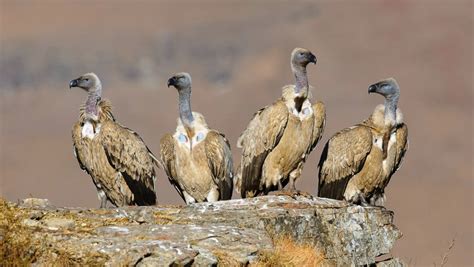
<point x="238" y="55"/>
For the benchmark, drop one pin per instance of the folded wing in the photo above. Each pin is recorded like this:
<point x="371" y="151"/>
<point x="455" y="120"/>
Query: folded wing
<point x="219" y="159"/>
<point x="261" y="136"/>
<point x="129" y="155"/>
<point x="343" y="156"/>
<point x="319" y="123"/>
<point x="168" y="161"/>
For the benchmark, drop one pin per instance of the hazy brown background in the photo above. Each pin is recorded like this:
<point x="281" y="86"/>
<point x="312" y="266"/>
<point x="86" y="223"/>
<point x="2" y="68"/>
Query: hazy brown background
<point x="238" y="55"/>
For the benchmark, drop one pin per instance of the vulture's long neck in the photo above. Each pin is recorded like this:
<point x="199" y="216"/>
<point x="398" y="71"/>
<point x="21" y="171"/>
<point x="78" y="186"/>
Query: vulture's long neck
<point x="92" y="102"/>
<point x="301" y="78"/>
<point x="391" y="103"/>
<point x="185" y="112"/>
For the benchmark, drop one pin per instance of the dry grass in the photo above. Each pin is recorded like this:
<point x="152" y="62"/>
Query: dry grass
<point x="16" y="245"/>
<point x="444" y="259"/>
<point x="19" y="247"/>
<point x="225" y="259"/>
<point x="163" y="217"/>
<point x="287" y="252"/>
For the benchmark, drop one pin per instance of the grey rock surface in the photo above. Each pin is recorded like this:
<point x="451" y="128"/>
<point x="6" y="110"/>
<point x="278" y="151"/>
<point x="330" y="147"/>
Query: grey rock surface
<point x="209" y="234"/>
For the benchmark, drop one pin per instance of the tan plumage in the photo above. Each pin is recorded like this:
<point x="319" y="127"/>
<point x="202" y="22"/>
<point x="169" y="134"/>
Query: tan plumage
<point x="196" y="159"/>
<point x="396" y="150"/>
<point x="357" y="162"/>
<point x="117" y="159"/>
<point x="280" y="136"/>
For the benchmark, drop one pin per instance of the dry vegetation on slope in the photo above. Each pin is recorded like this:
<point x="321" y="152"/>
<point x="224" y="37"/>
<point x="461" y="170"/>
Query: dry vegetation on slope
<point x="21" y="245"/>
<point x="287" y="252"/>
<point x="15" y="245"/>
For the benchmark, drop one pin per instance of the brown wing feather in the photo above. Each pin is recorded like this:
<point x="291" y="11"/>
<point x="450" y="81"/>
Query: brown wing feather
<point x="219" y="158"/>
<point x="401" y="147"/>
<point x="129" y="155"/>
<point x="77" y="145"/>
<point x="261" y="136"/>
<point x="91" y="160"/>
<point x="319" y="123"/>
<point x="168" y="161"/>
<point x="343" y="156"/>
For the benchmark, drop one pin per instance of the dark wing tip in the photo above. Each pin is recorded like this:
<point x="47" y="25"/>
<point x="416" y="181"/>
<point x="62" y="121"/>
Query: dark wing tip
<point x="143" y="195"/>
<point x="252" y="175"/>
<point x="334" y="189"/>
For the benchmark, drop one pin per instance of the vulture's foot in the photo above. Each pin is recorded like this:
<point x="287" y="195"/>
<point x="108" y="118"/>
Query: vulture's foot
<point x="293" y="193"/>
<point x="364" y="203"/>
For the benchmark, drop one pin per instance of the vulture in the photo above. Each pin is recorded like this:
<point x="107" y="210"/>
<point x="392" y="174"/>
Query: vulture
<point x="280" y="136"/>
<point x="117" y="159"/>
<point x="196" y="159"/>
<point x="358" y="162"/>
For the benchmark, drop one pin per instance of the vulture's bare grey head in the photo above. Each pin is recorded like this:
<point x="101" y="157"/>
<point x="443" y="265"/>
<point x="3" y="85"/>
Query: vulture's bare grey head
<point x="181" y="81"/>
<point x="388" y="88"/>
<point x="89" y="82"/>
<point x="302" y="57"/>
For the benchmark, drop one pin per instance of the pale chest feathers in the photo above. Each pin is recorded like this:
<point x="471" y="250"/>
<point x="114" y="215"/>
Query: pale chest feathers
<point x="189" y="142"/>
<point x="377" y="141"/>
<point x="306" y="109"/>
<point x="89" y="130"/>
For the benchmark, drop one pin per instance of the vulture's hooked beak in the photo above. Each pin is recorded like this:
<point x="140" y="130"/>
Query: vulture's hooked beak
<point x="373" y="88"/>
<point x="171" y="81"/>
<point x="312" y="58"/>
<point x="73" y="83"/>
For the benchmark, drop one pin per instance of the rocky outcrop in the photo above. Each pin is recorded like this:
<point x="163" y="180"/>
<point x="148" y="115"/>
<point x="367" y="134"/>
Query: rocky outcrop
<point x="231" y="232"/>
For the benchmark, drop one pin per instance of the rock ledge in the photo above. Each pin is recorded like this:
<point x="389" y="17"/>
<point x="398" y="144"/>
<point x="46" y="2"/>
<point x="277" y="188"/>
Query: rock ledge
<point x="199" y="234"/>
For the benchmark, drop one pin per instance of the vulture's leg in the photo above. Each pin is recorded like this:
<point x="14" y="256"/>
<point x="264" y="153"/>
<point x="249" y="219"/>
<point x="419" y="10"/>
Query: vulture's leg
<point x="291" y="184"/>
<point x="291" y="190"/>
<point x="213" y="195"/>
<point x="188" y="198"/>
<point x="103" y="201"/>
<point x="102" y="198"/>
<point x="280" y="187"/>
<point x="378" y="199"/>
<point x="363" y="201"/>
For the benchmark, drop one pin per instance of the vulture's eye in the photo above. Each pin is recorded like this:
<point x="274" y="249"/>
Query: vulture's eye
<point x="301" y="53"/>
<point x="87" y="80"/>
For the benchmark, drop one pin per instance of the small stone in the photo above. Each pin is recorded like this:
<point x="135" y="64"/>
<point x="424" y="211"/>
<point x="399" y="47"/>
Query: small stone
<point x="58" y="223"/>
<point x="30" y="223"/>
<point x="143" y="216"/>
<point x="35" y="203"/>
<point x="117" y="230"/>
<point x="205" y="258"/>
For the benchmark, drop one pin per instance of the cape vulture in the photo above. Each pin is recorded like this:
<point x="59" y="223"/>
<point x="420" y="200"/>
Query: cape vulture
<point x="197" y="159"/>
<point x="358" y="162"/>
<point x="117" y="159"/>
<point x="280" y="136"/>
